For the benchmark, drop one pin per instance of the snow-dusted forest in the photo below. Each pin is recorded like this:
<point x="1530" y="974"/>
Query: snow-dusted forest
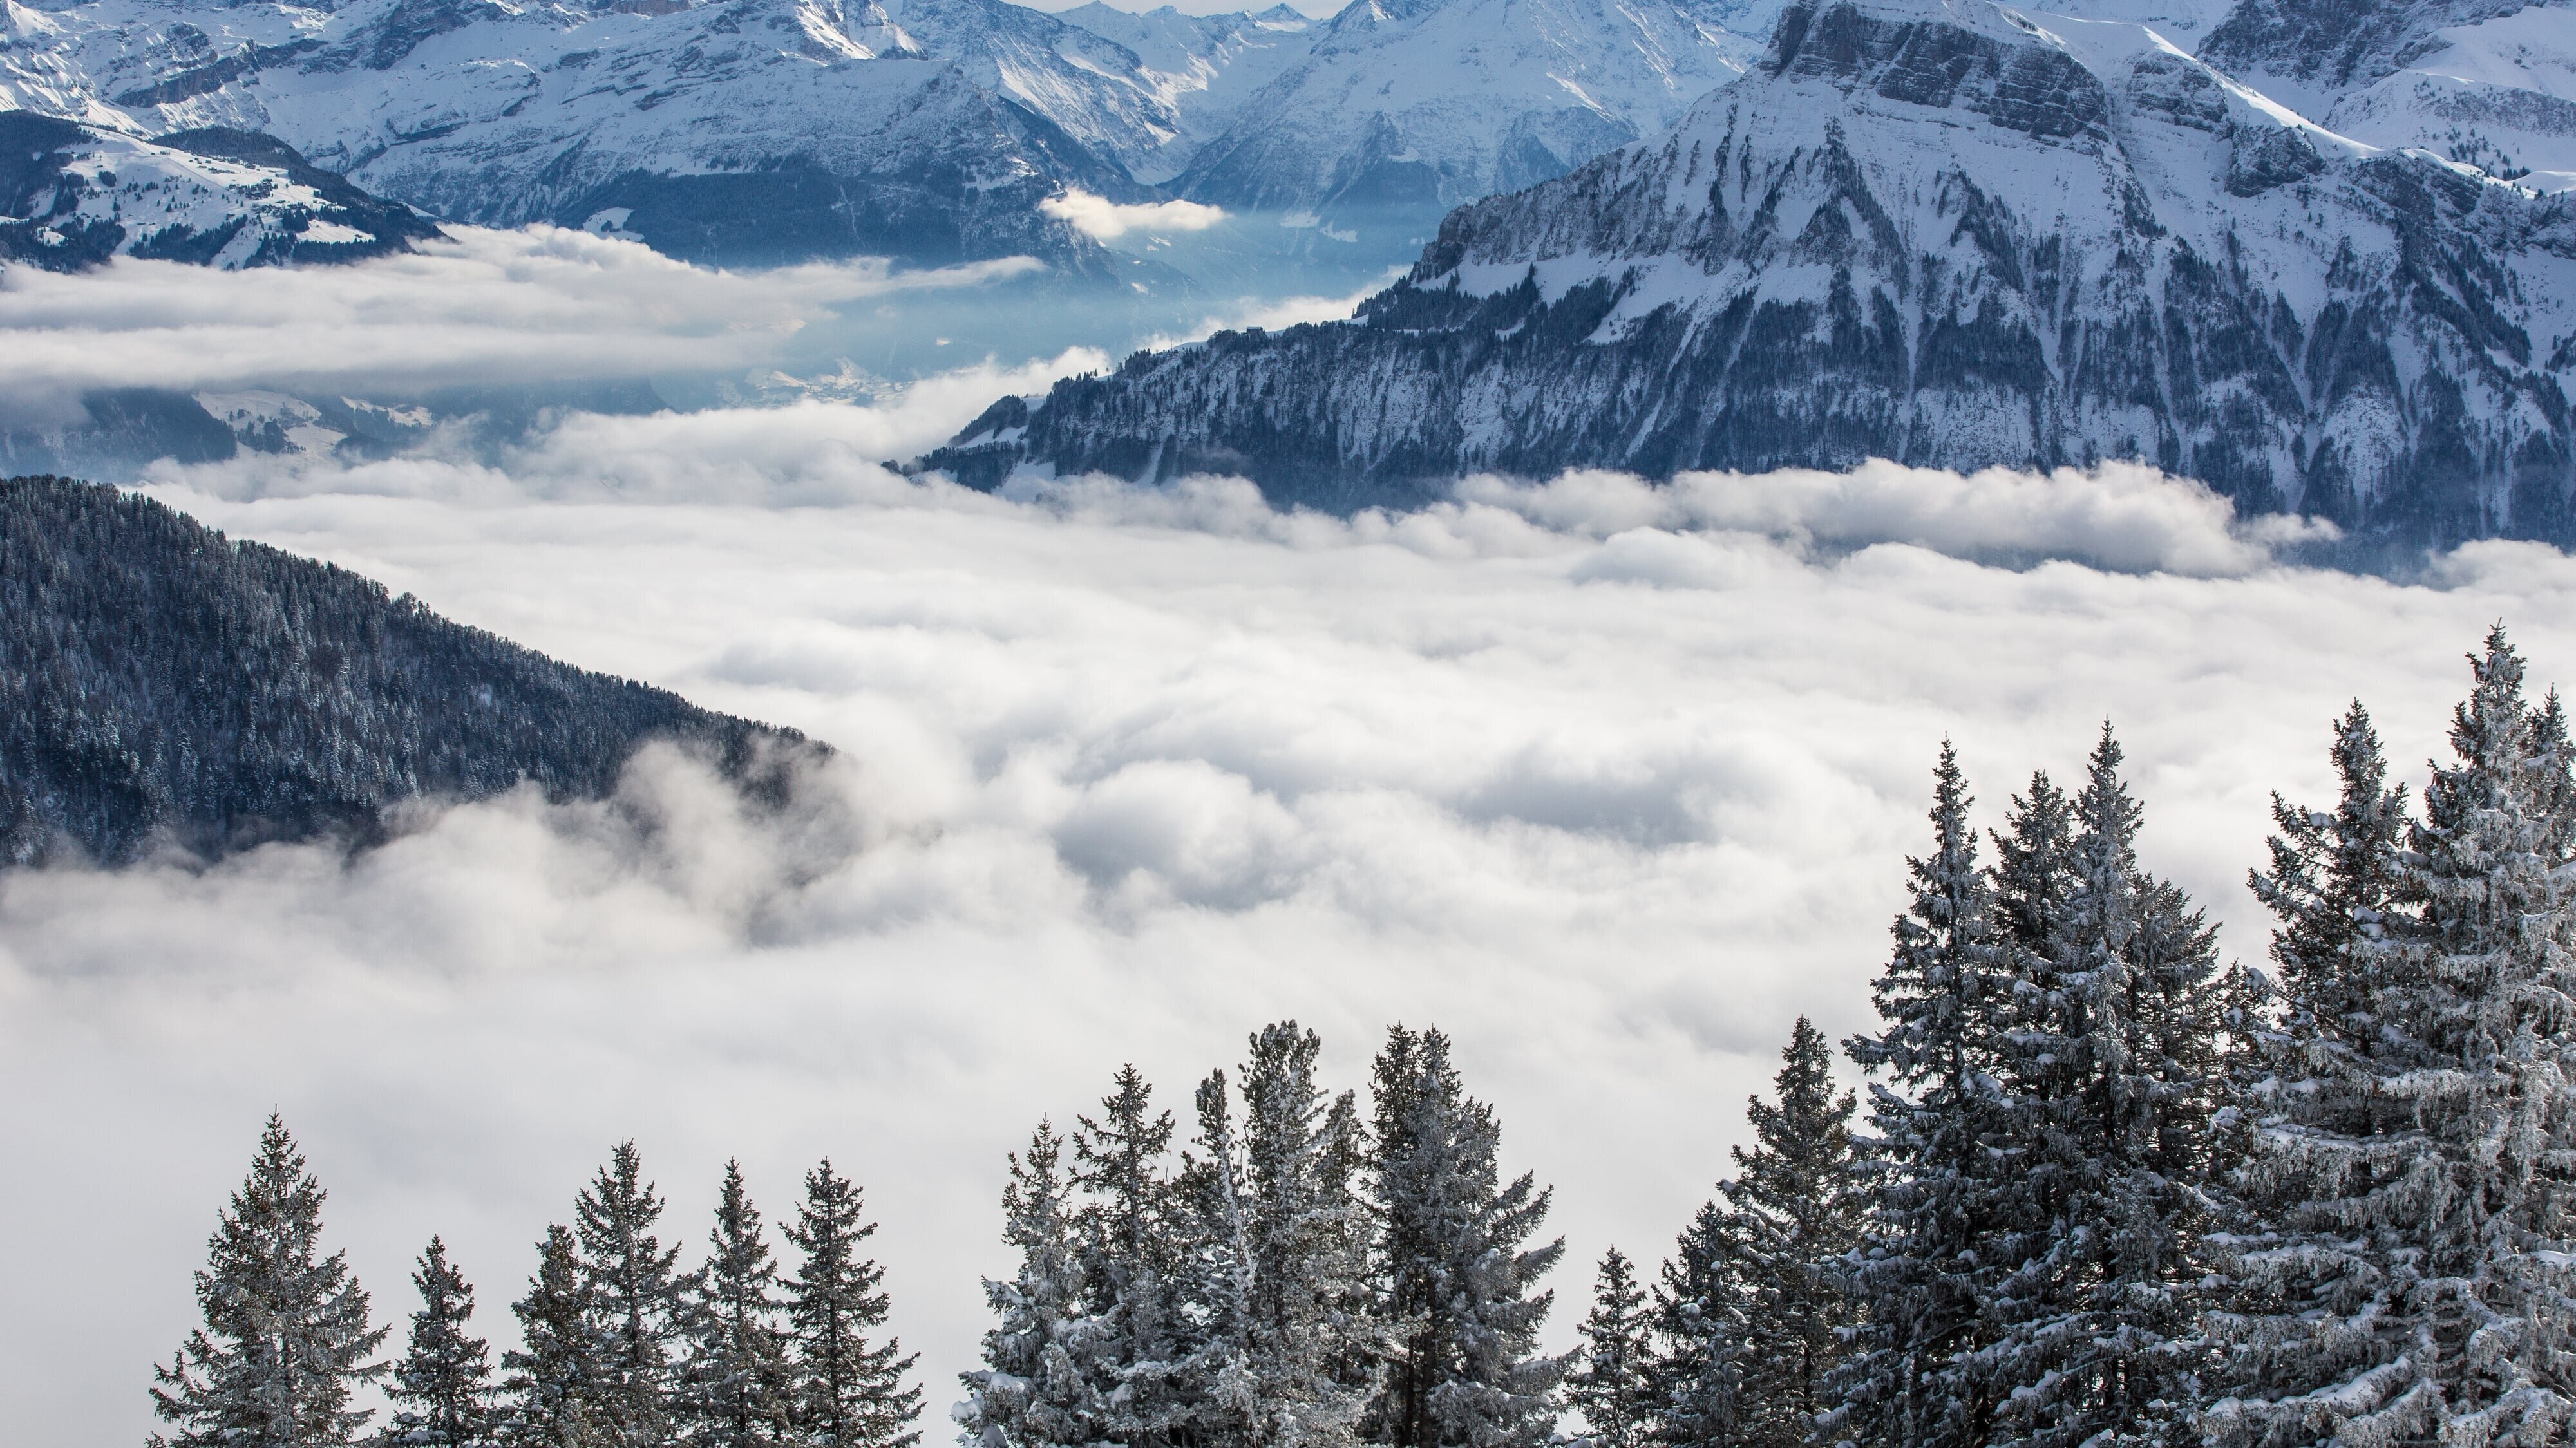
<point x="2103" y="1189"/>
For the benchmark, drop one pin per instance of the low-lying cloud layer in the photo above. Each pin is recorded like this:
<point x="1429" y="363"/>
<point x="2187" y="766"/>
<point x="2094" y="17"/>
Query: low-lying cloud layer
<point x="1610" y="781"/>
<point x="483" y="308"/>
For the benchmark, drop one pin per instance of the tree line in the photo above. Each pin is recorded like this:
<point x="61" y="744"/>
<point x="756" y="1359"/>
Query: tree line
<point x="2105" y="1193"/>
<point x="619" y="1345"/>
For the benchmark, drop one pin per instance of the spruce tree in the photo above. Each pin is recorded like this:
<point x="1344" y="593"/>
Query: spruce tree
<point x="849" y="1393"/>
<point x="442" y="1388"/>
<point x="2114" y="1044"/>
<point x="2332" y="885"/>
<point x="1941" y="1164"/>
<point x="2416" y="1155"/>
<point x="638" y="1298"/>
<point x="1293" y="1234"/>
<point x="554" y="1377"/>
<point x="1797" y="1206"/>
<point x="740" y="1384"/>
<point x="1612" y="1383"/>
<point x="1037" y="1388"/>
<point x="1223" y="1391"/>
<point x="1696" y="1382"/>
<point x="1454" y="1282"/>
<point x="285" y="1340"/>
<point x="1133" y="1244"/>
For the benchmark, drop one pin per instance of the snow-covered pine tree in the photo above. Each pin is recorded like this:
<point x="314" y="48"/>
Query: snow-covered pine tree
<point x="2417" y="1151"/>
<point x="1133" y="1244"/>
<point x="553" y="1378"/>
<point x="1797" y="1205"/>
<point x="849" y="1393"/>
<point x="739" y="1385"/>
<point x="1037" y="1388"/>
<point x="1454" y="1283"/>
<point x="2332" y="885"/>
<point x="1612" y="1383"/>
<point x="2115" y="1049"/>
<point x="1216" y="1277"/>
<point x="285" y="1340"/>
<point x="1696" y="1380"/>
<point x="442" y="1388"/>
<point x="2032" y="874"/>
<point x="1940" y="1164"/>
<point x="1307" y="1243"/>
<point x="638" y="1298"/>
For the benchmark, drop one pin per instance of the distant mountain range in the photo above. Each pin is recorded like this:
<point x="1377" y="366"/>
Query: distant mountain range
<point x="1957" y="234"/>
<point x="758" y="131"/>
<point x="162" y="683"/>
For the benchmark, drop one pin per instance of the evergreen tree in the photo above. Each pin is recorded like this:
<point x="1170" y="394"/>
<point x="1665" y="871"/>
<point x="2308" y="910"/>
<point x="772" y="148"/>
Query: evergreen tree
<point x="1454" y="1283"/>
<point x="554" y="1378"/>
<point x="2332" y="885"/>
<point x="442" y="1389"/>
<point x="1612" y="1384"/>
<point x="2416" y="1155"/>
<point x="2115" y="1049"/>
<point x="849" y="1394"/>
<point x="740" y="1384"/>
<point x="1942" y="1166"/>
<point x="1796" y="1200"/>
<point x="1696" y="1382"/>
<point x="1293" y="1234"/>
<point x="1037" y="1387"/>
<point x="285" y="1340"/>
<point x="638" y="1299"/>
<point x="1221" y="1386"/>
<point x="1133" y="1243"/>
<point x="2033" y="869"/>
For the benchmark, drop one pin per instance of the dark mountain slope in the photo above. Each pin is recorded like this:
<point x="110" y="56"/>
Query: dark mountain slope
<point x="158" y="677"/>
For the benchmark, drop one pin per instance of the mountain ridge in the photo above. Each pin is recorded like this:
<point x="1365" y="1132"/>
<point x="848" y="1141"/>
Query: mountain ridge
<point x="1951" y="234"/>
<point x="162" y="683"/>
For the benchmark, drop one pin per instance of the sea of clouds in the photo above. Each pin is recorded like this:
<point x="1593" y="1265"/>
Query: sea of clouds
<point x="1610" y="781"/>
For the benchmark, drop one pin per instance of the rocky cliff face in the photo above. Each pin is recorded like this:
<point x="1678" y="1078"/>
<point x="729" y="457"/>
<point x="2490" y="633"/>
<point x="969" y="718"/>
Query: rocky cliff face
<point x="1938" y="231"/>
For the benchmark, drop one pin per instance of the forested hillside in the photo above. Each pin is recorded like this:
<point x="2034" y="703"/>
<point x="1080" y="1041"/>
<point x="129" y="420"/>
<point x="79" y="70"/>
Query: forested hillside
<point x="156" y="676"/>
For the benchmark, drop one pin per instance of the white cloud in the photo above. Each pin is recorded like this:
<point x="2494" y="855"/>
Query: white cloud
<point x="1106" y="220"/>
<point x="2119" y="516"/>
<point x="1612" y="782"/>
<point x="487" y="307"/>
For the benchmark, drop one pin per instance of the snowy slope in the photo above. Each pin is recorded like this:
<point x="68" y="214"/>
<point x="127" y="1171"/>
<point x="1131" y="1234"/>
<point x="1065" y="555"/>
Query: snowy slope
<point x="2488" y="82"/>
<point x="1938" y="231"/>
<point x="2500" y="94"/>
<point x="1406" y="102"/>
<point x="72" y="196"/>
<point x="1203" y="66"/>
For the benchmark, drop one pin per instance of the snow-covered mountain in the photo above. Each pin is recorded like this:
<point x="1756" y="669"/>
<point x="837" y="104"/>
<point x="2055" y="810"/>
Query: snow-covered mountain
<point x="72" y="196"/>
<point x="1941" y="231"/>
<point x="2490" y="82"/>
<point x="932" y="130"/>
<point x="1204" y="66"/>
<point x="751" y="130"/>
<point x="1412" y="102"/>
